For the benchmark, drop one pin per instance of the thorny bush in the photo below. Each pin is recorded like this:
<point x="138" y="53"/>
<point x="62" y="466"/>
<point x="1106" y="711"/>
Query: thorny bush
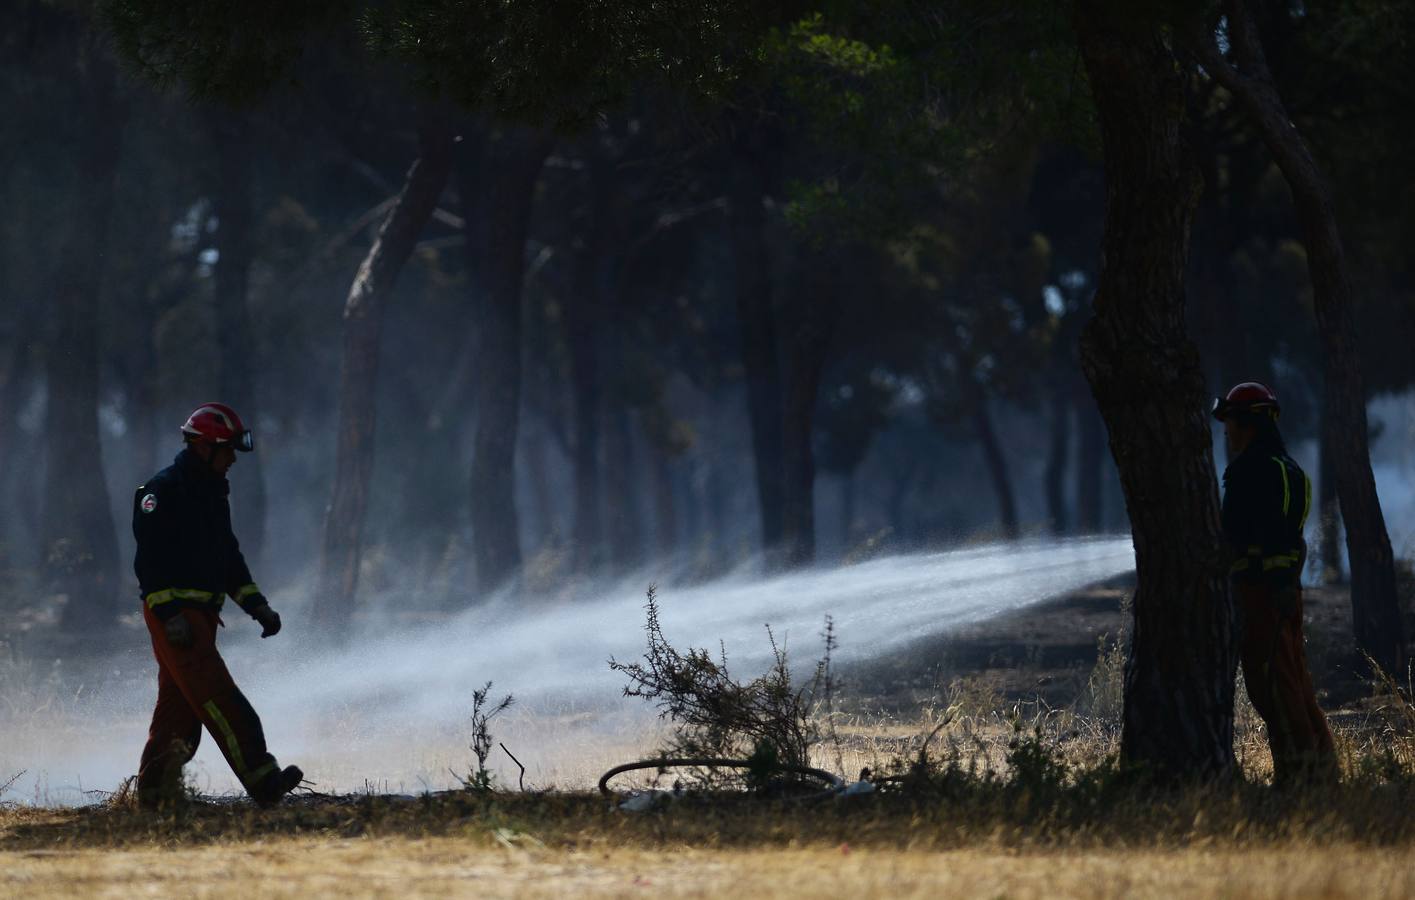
<point x="769" y="719"/>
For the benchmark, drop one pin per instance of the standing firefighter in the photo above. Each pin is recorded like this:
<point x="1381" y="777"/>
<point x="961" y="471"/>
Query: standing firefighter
<point x="1266" y="499"/>
<point x="188" y="562"/>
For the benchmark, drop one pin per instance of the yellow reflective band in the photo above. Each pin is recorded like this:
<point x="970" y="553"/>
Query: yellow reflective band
<point x="238" y="762"/>
<point x="246" y="591"/>
<point x="1286" y="488"/>
<point x="1284" y="561"/>
<point x="157" y="598"/>
<point x="1306" y="504"/>
<point x="258" y="775"/>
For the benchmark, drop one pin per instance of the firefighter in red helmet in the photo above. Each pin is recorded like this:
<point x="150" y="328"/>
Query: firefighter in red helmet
<point x="188" y="561"/>
<point x="1266" y="499"/>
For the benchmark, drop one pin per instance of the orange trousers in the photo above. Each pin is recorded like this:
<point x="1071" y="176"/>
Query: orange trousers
<point x="194" y="689"/>
<point x="1280" y="686"/>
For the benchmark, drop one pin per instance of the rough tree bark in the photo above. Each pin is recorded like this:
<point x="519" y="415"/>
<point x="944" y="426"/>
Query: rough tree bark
<point x="1144" y="370"/>
<point x="77" y="536"/>
<point x="363" y="324"/>
<point x="514" y="161"/>
<point x="754" y="152"/>
<point x="1374" y="602"/>
<point x="235" y="346"/>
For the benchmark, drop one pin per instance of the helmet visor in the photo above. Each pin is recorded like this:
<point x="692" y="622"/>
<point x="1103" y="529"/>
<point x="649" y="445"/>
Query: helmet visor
<point x="1221" y="408"/>
<point x="245" y="441"/>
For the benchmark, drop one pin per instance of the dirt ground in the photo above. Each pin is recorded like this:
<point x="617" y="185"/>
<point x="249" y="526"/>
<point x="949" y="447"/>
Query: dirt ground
<point x="1047" y="652"/>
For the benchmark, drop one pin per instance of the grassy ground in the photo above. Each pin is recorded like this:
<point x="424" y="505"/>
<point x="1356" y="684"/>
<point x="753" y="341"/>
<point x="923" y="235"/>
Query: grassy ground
<point x="448" y="868"/>
<point x="1240" y="842"/>
<point x="1021" y="800"/>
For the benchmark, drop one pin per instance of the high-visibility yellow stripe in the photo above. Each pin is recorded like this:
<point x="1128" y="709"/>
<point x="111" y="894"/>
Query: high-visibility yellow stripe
<point x="157" y="598"/>
<point x="1306" y="504"/>
<point x="1280" y="561"/>
<point x="259" y="774"/>
<point x="245" y="591"/>
<point x="1286" y="488"/>
<point x="238" y="762"/>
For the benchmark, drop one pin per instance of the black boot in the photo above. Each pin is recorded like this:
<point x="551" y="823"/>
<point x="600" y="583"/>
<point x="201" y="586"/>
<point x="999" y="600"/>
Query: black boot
<point x="276" y="785"/>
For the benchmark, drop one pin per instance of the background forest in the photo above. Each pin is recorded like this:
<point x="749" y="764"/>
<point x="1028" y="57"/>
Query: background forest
<point x="517" y="297"/>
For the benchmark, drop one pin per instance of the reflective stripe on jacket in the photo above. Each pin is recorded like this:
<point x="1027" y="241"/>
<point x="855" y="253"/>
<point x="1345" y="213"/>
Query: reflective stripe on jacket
<point x="187" y="554"/>
<point x="1266" y="500"/>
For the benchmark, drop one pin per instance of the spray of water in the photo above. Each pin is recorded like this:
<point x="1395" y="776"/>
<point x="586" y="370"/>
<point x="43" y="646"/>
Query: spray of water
<point x="391" y="712"/>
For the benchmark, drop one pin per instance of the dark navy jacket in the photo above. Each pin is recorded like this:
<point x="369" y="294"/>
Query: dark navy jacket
<point x="187" y="554"/>
<point x="1266" y="499"/>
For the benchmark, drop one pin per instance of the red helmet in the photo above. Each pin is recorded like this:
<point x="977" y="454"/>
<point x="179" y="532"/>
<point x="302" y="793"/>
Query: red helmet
<point x="218" y="423"/>
<point x="1248" y="397"/>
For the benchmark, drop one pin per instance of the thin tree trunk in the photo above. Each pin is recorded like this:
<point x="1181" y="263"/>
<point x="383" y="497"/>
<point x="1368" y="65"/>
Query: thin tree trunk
<point x="756" y="317"/>
<point x="15" y="382"/>
<point x="996" y="461"/>
<point x="665" y="504"/>
<point x="1090" y="463"/>
<point x="514" y="163"/>
<point x="812" y="315"/>
<point x="1058" y="515"/>
<point x="77" y="536"/>
<point x="234" y="342"/>
<point x="847" y="510"/>
<point x="1328" y="510"/>
<point x="542" y="498"/>
<point x="363" y="325"/>
<point x="1144" y="370"/>
<point x="583" y="320"/>
<point x="621" y="496"/>
<point x="1374" y="602"/>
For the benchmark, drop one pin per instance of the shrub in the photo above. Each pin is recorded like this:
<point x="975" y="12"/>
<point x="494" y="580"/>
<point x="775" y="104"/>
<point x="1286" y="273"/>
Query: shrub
<point x="769" y="719"/>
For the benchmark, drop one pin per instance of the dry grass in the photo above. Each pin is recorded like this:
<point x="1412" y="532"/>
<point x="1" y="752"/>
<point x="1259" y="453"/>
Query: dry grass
<point x="976" y="830"/>
<point x="1022" y="800"/>
<point x="448" y="867"/>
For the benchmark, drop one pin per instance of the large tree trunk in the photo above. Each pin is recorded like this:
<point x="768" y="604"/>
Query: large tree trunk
<point x="996" y="461"/>
<point x="754" y="155"/>
<point x="77" y="536"/>
<point x="811" y="314"/>
<point x="514" y="161"/>
<point x="1058" y="451"/>
<point x="1374" y="603"/>
<point x="234" y="343"/>
<point x="1145" y="373"/>
<point x="363" y="325"/>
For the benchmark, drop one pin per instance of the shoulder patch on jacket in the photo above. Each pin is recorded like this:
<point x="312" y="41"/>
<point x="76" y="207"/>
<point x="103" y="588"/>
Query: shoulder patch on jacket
<point x="148" y="503"/>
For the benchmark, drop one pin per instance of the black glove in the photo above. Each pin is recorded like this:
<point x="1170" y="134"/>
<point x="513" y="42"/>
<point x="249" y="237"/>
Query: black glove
<point x="178" y="631"/>
<point x="268" y="618"/>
